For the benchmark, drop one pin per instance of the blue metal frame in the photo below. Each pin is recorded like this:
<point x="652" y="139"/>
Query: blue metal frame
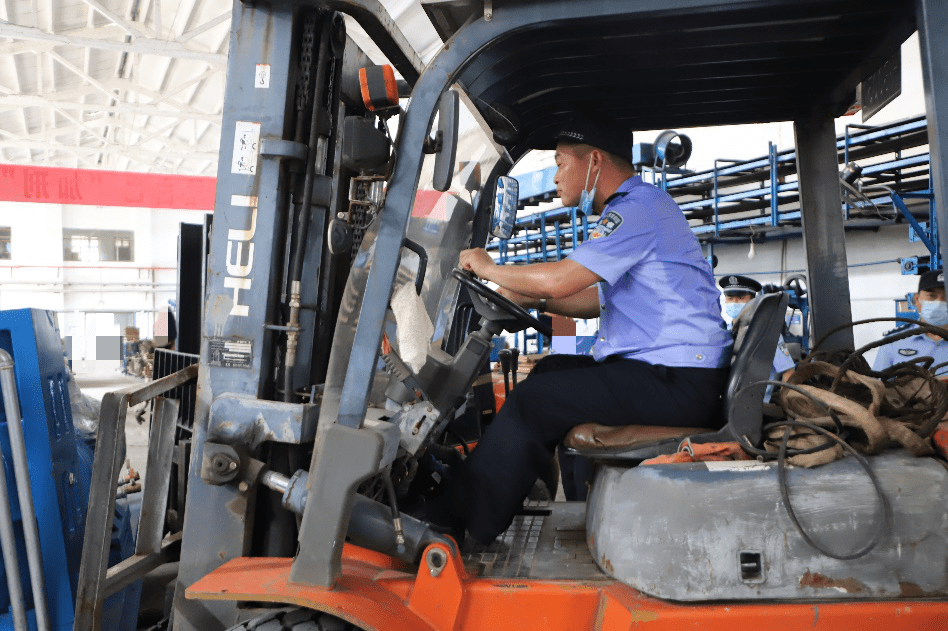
<point x="32" y="338"/>
<point x="532" y="247"/>
<point x="60" y="473"/>
<point x="927" y="236"/>
<point x="559" y="241"/>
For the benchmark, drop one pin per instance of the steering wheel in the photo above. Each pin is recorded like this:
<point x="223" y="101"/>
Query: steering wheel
<point x="797" y="283"/>
<point x="497" y="308"/>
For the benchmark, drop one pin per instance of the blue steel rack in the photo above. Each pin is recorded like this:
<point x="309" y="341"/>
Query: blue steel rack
<point x="757" y="200"/>
<point x="740" y="201"/>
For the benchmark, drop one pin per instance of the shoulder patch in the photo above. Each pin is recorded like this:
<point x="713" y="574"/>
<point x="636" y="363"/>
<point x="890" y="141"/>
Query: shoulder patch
<point x="608" y="224"/>
<point x="908" y="352"/>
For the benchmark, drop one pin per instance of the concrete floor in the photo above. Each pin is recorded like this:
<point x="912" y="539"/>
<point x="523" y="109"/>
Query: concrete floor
<point x="102" y="379"/>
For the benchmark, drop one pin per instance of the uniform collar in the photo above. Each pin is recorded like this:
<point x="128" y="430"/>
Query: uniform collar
<point x="624" y="188"/>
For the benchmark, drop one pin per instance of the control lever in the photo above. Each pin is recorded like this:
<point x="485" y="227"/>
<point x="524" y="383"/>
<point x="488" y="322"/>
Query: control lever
<point x="504" y="356"/>
<point x="514" y="363"/>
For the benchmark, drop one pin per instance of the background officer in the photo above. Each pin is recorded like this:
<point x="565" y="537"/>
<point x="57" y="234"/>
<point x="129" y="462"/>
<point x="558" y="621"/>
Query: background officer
<point x="932" y="309"/>
<point x="738" y="291"/>
<point x="663" y="352"/>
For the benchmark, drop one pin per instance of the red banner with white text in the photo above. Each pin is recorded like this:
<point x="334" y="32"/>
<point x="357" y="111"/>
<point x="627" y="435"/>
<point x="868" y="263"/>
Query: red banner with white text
<point x="47" y="185"/>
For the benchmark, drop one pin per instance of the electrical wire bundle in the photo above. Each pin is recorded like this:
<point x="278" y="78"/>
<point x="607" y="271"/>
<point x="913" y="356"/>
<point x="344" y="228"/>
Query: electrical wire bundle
<point x="836" y="404"/>
<point x="899" y="406"/>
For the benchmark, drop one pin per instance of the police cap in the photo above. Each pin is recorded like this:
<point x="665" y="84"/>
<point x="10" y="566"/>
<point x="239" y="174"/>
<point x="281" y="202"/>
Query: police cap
<point x="735" y="284"/>
<point x="599" y="132"/>
<point x="931" y="280"/>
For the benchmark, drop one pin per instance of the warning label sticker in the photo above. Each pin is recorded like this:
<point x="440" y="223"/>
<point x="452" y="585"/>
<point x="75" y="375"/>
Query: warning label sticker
<point x="230" y="352"/>
<point x="262" y="76"/>
<point x="246" y="145"/>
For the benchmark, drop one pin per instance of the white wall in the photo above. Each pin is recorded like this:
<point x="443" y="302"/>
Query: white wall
<point x="93" y="299"/>
<point x="35" y="229"/>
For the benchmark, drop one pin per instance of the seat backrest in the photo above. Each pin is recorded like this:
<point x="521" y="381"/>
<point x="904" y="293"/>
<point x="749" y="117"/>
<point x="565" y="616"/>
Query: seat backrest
<point x="756" y="334"/>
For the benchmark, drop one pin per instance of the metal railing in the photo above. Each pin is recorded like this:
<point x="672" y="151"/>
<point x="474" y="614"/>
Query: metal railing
<point x="740" y="199"/>
<point x="97" y="580"/>
<point x="167" y="362"/>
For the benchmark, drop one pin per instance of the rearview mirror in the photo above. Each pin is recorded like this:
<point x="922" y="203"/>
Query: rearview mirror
<point x="506" y="199"/>
<point x="448" y="137"/>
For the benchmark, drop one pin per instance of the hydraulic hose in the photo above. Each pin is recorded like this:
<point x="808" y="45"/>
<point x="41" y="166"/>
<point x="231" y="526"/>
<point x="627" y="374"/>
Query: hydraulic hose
<point x="315" y="166"/>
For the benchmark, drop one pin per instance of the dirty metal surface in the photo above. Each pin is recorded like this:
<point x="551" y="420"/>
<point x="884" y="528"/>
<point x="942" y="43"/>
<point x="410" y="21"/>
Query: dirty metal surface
<point x="720" y="531"/>
<point x="549" y="543"/>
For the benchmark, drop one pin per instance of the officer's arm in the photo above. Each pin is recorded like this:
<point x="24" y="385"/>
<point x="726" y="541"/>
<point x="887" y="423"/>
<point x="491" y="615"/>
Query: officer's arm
<point x="556" y="280"/>
<point x="584" y="304"/>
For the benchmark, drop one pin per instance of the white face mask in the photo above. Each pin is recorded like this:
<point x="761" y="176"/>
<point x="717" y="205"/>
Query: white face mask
<point x="586" y="197"/>
<point x="733" y="309"/>
<point x="934" y="312"/>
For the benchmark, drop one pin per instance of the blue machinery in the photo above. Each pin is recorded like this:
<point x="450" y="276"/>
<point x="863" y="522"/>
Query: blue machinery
<point x="46" y="486"/>
<point x="754" y="201"/>
<point x="70" y="558"/>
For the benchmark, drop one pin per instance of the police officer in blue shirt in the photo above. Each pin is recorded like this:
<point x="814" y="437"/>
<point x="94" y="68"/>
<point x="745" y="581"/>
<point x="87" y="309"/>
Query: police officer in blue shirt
<point x="932" y="309"/>
<point x="738" y="291"/>
<point x="663" y="353"/>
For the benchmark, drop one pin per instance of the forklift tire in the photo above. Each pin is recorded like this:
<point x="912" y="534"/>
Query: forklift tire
<point x="299" y="619"/>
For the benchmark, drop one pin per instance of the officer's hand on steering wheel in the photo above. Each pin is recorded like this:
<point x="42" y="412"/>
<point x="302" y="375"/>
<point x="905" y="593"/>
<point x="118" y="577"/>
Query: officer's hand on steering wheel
<point x="475" y="260"/>
<point x="493" y="306"/>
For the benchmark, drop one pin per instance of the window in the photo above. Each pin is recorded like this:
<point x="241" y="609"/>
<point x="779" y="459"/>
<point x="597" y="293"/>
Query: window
<point x="91" y="246"/>
<point x="5" y="244"/>
<point x="123" y="249"/>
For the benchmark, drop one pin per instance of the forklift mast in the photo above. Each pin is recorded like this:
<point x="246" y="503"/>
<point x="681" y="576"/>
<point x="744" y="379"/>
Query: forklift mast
<point x="273" y="287"/>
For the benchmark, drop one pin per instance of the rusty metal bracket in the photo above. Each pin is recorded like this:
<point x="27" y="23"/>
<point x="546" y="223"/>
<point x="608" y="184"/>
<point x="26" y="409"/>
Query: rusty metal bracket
<point x="134" y="567"/>
<point x="92" y="584"/>
<point x="220" y="465"/>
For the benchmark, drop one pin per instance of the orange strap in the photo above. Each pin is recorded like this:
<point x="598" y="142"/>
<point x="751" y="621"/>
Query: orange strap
<point x="701" y="452"/>
<point x="940" y="439"/>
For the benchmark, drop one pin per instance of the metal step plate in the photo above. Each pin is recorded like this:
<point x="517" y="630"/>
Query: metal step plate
<point x="549" y="543"/>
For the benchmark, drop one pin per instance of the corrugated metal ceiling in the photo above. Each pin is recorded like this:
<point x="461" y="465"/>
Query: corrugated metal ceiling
<point x="126" y="85"/>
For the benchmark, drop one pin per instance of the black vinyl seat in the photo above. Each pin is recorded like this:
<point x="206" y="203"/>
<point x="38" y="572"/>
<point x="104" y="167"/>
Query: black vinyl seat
<point x="756" y="334"/>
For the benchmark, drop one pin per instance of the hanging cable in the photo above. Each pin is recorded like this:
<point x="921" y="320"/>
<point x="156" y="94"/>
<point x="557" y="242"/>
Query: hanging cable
<point x="785" y="490"/>
<point x="784" y="452"/>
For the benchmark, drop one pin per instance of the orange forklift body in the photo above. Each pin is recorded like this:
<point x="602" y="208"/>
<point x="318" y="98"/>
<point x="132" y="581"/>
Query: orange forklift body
<point x="378" y="592"/>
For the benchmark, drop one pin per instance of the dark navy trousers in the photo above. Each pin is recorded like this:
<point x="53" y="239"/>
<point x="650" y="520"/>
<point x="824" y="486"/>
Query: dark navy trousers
<point x="561" y="392"/>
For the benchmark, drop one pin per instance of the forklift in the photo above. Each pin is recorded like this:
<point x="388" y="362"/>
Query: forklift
<point x="341" y="185"/>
